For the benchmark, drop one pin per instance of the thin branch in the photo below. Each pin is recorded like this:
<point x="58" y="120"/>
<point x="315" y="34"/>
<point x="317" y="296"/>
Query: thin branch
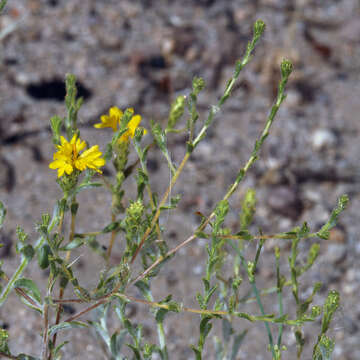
<point x="82" y="312"/>
<point x="112" y="239"/>
<point x="45" y="347"/>
<point x="161" y="204"/>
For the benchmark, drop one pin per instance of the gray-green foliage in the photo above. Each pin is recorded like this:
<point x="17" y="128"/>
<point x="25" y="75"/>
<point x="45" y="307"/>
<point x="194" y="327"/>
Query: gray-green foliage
<point x="221" y="296"/>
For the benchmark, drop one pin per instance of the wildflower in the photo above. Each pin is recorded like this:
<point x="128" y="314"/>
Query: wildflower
<point x="67" y="158"/>
<point x="113" y="120"/>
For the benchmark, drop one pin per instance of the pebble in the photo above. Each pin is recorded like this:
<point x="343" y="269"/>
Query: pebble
<point x="337" y="235"/>
<point x="336" y="253"/>
<point x="197" y="270"/>
<point x="323" y="138"/>
<point x="293" y="99"/>
<point x="349" y="289"/>
<point x="351" y="275"/>
<point x="171" y="278"/>
<point x="284" y="200"/>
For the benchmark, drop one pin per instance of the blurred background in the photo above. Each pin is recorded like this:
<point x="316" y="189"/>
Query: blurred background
<point x="143" y="54"/>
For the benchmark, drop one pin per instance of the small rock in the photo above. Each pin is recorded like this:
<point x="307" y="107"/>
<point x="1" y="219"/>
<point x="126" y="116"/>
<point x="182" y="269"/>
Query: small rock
<point x="351" y="275"/>
<point x="323" y="138"/>
<point x="349" y="289"/>
<point x="336" y="253"/>
<point x="337" y="235"/>
<point x="338" y="350"/>
<point x="204" y="150"/>
<point x="284" y="200"/>
<point x="171" y="278"/>
<point x="293" y="99"/>
<point x="197" y="270"/>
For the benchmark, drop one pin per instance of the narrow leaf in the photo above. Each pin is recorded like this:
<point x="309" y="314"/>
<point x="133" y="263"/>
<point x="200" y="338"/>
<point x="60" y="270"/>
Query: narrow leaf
<point x="67" y="325"/>
<point x="29" y="287"/>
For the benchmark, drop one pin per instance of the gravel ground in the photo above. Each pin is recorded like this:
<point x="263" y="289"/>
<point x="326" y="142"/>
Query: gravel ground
<point x="145" y="53"/>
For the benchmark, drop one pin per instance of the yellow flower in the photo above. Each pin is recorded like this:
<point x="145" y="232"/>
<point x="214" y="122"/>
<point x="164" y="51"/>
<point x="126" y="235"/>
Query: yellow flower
<point x="132" y="126"/>
<point x="113" y="120"/>
<point x="67" y="158"/>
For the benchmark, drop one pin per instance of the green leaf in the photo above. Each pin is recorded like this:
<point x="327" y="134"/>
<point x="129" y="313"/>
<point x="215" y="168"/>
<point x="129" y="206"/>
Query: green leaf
<point x="248" y="209"/>
<point x="200" y="300"/>
<point x="221" y="210"/>
<point x="244" y="316"/>
<point x="160" y="139"/>
<point x="74" y="244"/>
<point x="304" y="230"/>
<point x="259" y="28"/>
<point x="176" y="111"/>
<point x="21" y="234"/>
<point x="87" y="185"/>
<point x="331" y="304"/>
<point x="117" y="341"/>
<point x="30" y="288"/>
<point x="196" y="351"/>
<point x="28" y="251"/>
<point x="286" y="68"/>
<point x="160" y="315"/>
<point x="56" y="351"/>
<point x="135" y="351"/>
<point x="198" y="85"/>
<point x="173" y="203"/>
<point x="101" y="329"/>
<point x="324" y="348"/>
<point x="65" y="326"/>
<point x="56" y="123"/>
<point x="244" y="234"/>
<point x="114" y="226"/>
<point x="175" y="307"/>
<point x="205" y="328"/>
<point x="324" y="232"/>
<point x="144" y="288"/>
<point x="4" y="336"/>
<point x="210" y="293"/>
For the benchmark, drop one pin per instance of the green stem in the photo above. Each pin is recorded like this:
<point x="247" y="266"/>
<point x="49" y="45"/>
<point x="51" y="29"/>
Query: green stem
<point x="11" y="282"/>
<point x="162" y="202"/>
<point x="258" y="300"/>
<point x="24" y="263"/>
<point x="281" y="312"/>
<point x="280" y="300"/>
<point x="229" y="87"/>
<point x="162" y="341"/>
<point x="257" y="296"/>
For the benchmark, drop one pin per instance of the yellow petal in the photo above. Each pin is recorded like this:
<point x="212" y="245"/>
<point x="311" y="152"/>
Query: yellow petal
<point x="55" y="164"/>
<point x="115" y="112"/>
<point x="63" y="140"/>
<point x="108" y="121"/>
<point x="73" y="139"/>
<point x="80" y="145"/>
<point x="68" y="169"/>
<point x="99" y="162"/>
<point x="125" y="136"/>
<point x="133" y="124"/>
<point x="61" y="172"/>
